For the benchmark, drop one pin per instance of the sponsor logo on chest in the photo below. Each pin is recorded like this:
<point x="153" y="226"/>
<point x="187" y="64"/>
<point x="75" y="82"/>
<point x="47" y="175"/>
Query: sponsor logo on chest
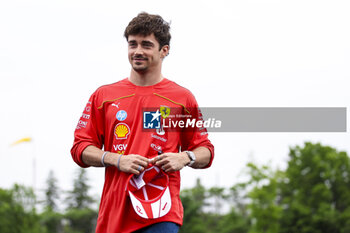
<point x="121" y="131"/>
<point x="120" y="147"/>
<point x="121" y="115"/>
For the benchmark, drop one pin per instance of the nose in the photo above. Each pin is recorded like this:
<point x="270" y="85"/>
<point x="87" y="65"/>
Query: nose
<point x="138" y="50"/>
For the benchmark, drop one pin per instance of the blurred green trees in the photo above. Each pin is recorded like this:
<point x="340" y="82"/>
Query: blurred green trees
<point x="18" y="213"/>
<point x="311" y="195"/>
<point x="80" y="216"/>
<point x="315" y="193"/>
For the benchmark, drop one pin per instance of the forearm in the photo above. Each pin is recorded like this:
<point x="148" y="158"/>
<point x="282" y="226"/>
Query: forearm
<point x="131" y="163"/>
<point x="171" y="162"/>
<point x="203" y="157"/>
<point x="92" y="156"/>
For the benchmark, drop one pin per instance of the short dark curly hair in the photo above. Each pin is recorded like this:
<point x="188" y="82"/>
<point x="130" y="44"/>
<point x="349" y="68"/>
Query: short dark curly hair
<point x="145" y="24"/>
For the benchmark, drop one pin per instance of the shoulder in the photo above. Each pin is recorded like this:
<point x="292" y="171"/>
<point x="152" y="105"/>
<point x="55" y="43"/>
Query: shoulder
<point x="177" y="89"/>
<point x="176" y="93"/>
<point x="112" y="87"/>
<point x="111" y="92"/>
<point x="114" y="90"/>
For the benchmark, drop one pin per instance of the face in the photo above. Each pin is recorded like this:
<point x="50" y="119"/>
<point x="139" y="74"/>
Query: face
<point x="144" y="54"/>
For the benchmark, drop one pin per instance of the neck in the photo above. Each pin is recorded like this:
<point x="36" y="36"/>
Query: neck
<point x="146" y="78"/>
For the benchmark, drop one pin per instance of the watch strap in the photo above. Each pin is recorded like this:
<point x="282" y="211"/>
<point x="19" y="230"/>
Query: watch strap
<point x="192" y="158"/>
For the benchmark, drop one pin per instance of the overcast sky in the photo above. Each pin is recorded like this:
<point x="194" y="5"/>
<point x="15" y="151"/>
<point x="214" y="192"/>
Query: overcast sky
<point x="54" y="54"/>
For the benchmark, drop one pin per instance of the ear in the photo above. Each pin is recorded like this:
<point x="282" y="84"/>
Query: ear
<point x="164" y="51"/>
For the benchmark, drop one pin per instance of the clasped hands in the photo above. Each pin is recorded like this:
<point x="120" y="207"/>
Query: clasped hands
<point x="169" y="162"/>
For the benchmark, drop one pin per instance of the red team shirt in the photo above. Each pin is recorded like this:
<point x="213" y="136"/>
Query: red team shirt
<point x="113" y="120"/>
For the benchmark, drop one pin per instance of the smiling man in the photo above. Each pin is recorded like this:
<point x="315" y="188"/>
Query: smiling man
<point x="142" y="160"/>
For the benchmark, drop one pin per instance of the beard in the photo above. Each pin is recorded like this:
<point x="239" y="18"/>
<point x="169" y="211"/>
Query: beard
<point x="139" y="66"/>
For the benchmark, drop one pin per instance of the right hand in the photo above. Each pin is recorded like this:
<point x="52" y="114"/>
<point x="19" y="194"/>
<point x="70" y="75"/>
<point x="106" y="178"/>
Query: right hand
<point x="133" y="163"/>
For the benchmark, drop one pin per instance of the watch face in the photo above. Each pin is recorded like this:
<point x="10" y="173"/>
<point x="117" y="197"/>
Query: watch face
<point x="191" y="155"/>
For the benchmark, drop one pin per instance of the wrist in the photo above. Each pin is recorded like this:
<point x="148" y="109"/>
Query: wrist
<point x="192" y="157"/>
<point x="110" y="159"/>
<point x="103" y="158"/>
<point x="186" y="160"/>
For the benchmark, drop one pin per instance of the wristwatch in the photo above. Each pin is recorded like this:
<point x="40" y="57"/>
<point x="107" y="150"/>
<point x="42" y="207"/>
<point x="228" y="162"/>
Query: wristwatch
<point x="192" y="157"/>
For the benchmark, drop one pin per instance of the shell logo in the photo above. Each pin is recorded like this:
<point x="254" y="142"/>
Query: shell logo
<point x="121" y="131"/>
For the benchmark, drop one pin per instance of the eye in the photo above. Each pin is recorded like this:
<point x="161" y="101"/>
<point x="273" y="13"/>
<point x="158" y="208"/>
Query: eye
<point x="132" y="44"/>
<point x="147" y="45"/>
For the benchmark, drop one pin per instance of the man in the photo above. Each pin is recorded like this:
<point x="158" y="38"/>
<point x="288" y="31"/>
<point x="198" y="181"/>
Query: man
<point x="115" y="119"/>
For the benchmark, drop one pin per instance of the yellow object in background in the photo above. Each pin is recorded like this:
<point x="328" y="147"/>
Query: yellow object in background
<point x="27" y="139"/>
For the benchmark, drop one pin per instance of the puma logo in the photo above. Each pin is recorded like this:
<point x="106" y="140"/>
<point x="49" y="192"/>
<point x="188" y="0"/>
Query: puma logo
<point x="116" y="105"/>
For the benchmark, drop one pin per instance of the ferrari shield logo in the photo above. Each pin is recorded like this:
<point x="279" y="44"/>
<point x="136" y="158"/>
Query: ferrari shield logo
<point x="164" y="111"/>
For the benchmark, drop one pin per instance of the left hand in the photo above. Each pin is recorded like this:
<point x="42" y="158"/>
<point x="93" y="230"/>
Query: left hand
<point x="171" y="162"/>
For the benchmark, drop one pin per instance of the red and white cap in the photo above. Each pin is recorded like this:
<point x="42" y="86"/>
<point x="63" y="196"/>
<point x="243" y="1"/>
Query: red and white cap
<point x="149" y="193"/>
